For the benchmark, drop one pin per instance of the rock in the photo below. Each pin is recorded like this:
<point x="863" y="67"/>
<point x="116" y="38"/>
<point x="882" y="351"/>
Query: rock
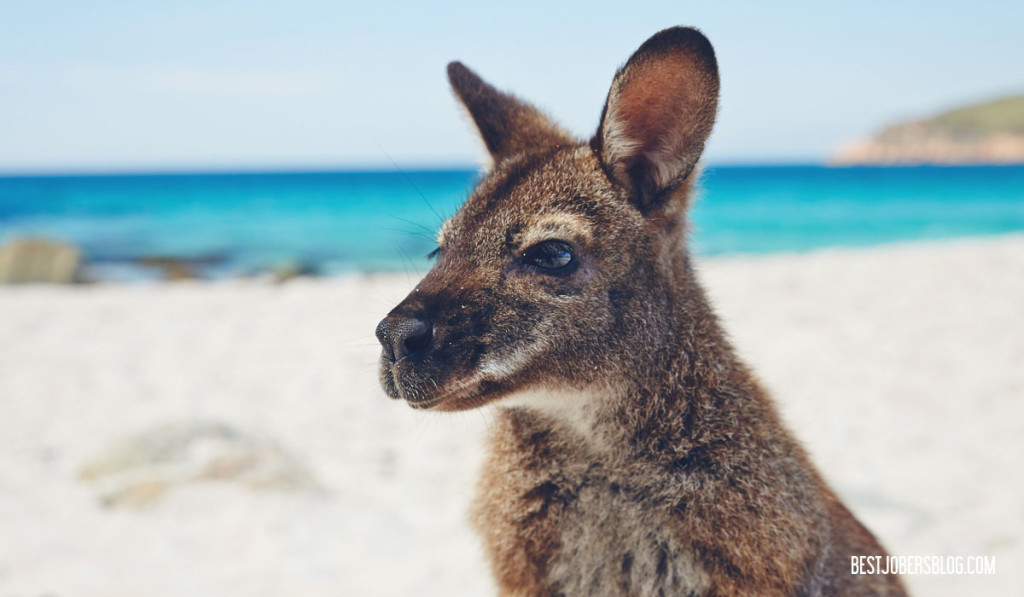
<point x="913" y="145"/>
<point x="39" y="260"/>
<point x="173" y="269"/>
<point x="289" y="271"/>
<point x="138" y="470"/>
<point x="180" y="268"/>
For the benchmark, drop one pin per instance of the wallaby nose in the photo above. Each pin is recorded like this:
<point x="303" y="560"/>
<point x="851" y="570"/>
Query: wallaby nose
<point x="403" y="335"/>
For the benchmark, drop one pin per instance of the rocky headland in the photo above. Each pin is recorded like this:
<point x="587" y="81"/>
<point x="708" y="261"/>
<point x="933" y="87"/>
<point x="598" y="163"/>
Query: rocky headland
<point x="986" y="133"/>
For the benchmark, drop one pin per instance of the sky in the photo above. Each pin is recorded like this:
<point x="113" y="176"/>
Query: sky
<point x="106" y="86"/>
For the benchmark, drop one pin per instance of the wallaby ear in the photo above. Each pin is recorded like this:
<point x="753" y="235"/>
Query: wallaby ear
<point x="659" y="113"/>
<point x="507" y="124"/>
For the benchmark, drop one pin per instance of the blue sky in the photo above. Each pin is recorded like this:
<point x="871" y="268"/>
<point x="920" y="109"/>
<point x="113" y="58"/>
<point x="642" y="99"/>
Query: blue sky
<point x="106" y="86"/>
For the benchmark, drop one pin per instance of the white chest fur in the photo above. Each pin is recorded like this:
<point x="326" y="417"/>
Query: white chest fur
<point x="578" y="410"/>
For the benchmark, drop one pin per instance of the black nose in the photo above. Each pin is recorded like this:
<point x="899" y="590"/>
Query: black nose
<point x="403" y="335"/>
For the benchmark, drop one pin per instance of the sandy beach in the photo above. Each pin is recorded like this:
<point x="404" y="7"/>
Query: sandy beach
<point x="901" y="368"/>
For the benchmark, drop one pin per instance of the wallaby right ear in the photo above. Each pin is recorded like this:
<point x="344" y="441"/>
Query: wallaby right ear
<point x="659" y="113"/>
<point x="507" y="124"/>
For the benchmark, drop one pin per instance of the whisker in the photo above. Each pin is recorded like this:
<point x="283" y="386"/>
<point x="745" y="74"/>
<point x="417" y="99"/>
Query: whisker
<point x="426" y="229"/>
<point x="440" y="218"/>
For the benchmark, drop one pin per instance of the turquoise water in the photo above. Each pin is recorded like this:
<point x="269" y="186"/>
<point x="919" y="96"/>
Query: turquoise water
<point x="337" y="222"/>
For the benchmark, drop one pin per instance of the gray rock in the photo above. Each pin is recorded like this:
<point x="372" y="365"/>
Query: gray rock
<point x="138" y="470"/>
<point x="38" y="260"/>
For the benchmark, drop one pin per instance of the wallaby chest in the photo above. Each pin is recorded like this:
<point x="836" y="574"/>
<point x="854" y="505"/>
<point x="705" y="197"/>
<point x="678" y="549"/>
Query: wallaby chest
<point x="578" y="523"/>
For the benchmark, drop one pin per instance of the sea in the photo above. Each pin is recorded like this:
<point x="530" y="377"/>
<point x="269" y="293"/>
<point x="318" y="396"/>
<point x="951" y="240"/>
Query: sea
<point x="332" y="223"/>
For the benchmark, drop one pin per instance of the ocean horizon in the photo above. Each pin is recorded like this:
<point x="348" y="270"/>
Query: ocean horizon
<point x="335" y="222"/>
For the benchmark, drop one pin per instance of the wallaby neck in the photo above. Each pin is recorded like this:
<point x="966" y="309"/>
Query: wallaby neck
<point x="697" y="392"/>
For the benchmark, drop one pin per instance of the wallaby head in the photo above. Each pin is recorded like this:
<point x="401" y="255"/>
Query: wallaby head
<point x="566" y="268"/>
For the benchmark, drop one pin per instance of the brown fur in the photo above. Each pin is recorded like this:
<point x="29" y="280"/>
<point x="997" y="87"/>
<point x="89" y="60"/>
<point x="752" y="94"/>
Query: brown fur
<point x="633" y="453"/>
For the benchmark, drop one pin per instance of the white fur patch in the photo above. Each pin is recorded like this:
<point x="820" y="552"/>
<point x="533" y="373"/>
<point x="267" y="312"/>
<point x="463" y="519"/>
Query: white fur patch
<point x="497" y="369"/>
<point x="443" y="231"/>
<point x="575" y="408"/>
<point x="565" y="226"/>
<point x="616" y="145"/>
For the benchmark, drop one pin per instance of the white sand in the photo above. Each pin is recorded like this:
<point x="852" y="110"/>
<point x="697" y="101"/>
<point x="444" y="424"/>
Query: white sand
<point x="901" y="368"/>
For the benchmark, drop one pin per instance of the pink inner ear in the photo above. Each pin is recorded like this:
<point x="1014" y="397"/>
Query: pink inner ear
<point x="658" y="104"/>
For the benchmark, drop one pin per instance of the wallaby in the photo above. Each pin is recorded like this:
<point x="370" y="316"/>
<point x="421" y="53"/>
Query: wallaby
<point x="632" y="452"/>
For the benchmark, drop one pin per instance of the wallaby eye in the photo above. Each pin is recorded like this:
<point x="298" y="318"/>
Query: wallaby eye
<point x="551" y="256"/>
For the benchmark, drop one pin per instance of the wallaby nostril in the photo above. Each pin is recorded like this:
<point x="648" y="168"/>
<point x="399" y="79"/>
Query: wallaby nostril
<point x="402" y="336"/>
<point x="418" y="337"/>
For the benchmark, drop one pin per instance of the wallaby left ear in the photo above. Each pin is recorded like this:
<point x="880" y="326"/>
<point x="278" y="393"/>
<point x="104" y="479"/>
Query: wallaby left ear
<point x="507" y="124"/>
<point x="659" y="113"/>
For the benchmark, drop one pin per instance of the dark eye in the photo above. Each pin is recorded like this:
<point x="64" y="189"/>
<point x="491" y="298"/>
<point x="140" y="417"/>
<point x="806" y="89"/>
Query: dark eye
<point x="551" y="256"/>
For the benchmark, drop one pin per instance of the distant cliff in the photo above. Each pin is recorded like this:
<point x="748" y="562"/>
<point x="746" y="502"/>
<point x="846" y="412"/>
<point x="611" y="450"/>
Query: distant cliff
<point x="988" y="133"/>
